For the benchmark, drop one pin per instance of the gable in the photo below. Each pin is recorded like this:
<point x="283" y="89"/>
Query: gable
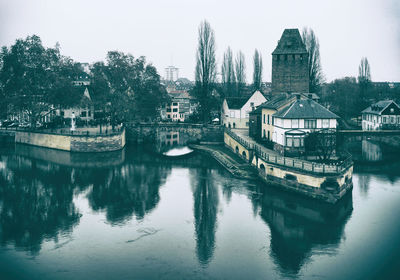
<point x="257" y="98"/>
<point x="392" y="109"/>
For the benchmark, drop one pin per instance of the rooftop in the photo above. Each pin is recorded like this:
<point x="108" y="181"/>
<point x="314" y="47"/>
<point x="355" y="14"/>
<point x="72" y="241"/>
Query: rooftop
<point x="290" y="43"/>
<point x="305" y="109"/>
<point x="378" y="107"/>
<point x="236" y="102"/>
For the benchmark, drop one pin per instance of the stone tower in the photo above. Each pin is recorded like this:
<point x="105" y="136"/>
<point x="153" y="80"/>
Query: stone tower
<point x="290" y="64"/>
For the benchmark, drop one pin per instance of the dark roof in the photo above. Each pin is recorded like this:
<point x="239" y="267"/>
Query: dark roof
<point x="277" y="101"/>
<point x="378" y="107"/>
<point x="290" y="43"/>
<point x="305" y="109"/>
<point x="236" y="102"/>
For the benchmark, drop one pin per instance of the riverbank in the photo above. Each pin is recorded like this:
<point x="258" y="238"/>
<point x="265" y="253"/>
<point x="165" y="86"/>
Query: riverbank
<point x="245" y="159"/>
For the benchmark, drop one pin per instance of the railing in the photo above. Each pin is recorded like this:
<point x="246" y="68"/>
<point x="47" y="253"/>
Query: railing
<point x="303" y="165"/>
<point x="106" y="131"/>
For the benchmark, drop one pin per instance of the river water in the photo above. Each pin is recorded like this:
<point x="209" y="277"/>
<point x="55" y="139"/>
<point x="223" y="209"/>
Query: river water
<point x="135" y="215"/>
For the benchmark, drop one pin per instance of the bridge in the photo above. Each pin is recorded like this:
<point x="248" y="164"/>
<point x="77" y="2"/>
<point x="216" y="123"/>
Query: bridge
<point x="359" y="132"/>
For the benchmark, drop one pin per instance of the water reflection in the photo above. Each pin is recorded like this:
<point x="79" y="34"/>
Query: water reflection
<point x="205" y="196"/>
<point x="35" y="203"/>
<point x="300" y="225"/>
<point x="130" y="190"/>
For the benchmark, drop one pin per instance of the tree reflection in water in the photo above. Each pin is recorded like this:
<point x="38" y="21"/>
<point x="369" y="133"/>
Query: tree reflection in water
<point x="300" y="225"/>
<point x="127" y="190"/>
<point x="35" y="203"/>
<point x="205" y="196"/>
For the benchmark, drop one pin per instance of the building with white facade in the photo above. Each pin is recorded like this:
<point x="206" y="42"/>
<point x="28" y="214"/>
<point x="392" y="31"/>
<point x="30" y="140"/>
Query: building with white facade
<point x="384" y="114"/>
<point x="294" y="122"/>
<point x="235" y="111"/>
<point x="84" y="111"/>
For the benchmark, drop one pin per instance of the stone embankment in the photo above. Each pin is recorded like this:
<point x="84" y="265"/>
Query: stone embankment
<point x="76" y="141"/>
<point x="244" y="158"/>
<point x="232" y="163"/>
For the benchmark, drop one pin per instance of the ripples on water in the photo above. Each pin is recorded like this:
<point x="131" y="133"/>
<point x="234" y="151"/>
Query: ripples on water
<point x="133" y="215"/>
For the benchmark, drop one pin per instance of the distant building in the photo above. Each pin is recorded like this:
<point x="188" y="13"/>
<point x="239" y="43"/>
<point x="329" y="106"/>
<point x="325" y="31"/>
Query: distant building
<point x="171" y="73"/>
<point x="235" y="111"/>
<point x="292" y="123"/>
<point x="384" y="114"/>
<point x="290" y="64"/>
<point x="181" y="106"/>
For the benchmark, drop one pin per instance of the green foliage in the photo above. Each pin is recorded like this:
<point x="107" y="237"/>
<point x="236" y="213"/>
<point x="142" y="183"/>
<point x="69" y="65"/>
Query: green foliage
<point x="34" y="78"/>
<point x="129" y="86"/>
<point x="37" y="80"/>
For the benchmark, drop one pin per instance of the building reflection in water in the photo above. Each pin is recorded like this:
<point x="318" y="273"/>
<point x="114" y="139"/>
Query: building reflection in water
<point x="371" y="151"/>
<point x="300" y="225"/>
<point x="205" y="196"/>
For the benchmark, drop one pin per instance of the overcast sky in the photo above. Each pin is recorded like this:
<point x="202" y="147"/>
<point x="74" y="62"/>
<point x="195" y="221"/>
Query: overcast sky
<point x="166" y="31"/>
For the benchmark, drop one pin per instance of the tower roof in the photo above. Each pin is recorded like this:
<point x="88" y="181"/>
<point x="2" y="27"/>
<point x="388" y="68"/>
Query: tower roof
<point x="290" y="43"/>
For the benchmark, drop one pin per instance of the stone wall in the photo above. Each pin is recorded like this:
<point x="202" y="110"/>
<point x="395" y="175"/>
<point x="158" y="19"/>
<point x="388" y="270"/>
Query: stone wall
<point x="140" y="132"/>
<point x="72" y="143"/>
<point x="290" y="73"/>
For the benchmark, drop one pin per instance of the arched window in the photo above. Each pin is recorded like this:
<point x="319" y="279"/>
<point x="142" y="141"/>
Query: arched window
<point x="244" y="154"/>
<point x="237" y="149"/>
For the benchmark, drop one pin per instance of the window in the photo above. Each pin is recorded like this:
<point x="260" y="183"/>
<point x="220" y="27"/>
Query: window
<point x="83" y="114"/>
<point x="89" y="113"/>
<point x="294" y="141"/>
<point x="384" y="119"/>
<point x="247" y="115"/>
<point x="175" y="110"/>
<point x="310" y="123"/>
<point x="232" y="114"/>
<point x="251" y="104"/>
<point x="325" y="123"/>
<point x="391" y="110"/>
<point x="398" y="120"/>
<point x="295" y="123"/>
<point x="175" y="104"/>
<point x="168" y="116"/>
<point x="247" y="124"/>
<point x="181" y="115"/>
<point x="268" y="119"/>
<point x="264" y="133"/>
<point x="289" y="141"/>
<point x="264" y="118"/>
<point x="168" y="109"/>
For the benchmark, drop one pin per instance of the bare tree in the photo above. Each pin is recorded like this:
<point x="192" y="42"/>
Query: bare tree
<point x="257" y="70"/>
<point x="321" y="143"/>
<point x="364" y="79"/>
<point x="316" y="77"/>
<point x="240" y="67"/>
<point x="205" y="66"/>
<point x="228" y="73"/>
<point x="364" y="71"/>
